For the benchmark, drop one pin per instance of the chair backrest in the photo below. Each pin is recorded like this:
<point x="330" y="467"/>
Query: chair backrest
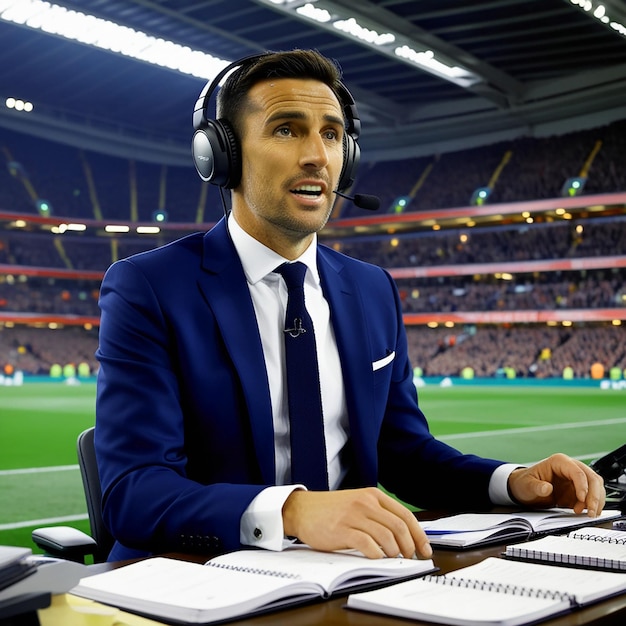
<point x="93" y="493"/>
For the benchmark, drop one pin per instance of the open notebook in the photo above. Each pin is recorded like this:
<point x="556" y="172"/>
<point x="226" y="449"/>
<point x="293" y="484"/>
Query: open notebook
<point x="590" y="547"/>
<point x="240" y="583"/>
<point x="467" y="530"/>
<point x="494" y="592"/>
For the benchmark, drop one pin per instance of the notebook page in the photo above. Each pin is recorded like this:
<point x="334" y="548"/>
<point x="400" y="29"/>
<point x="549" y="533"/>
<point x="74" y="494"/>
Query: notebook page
<point x="328" y="569"/>
<point x="434" y="600"/>
<point x="582" y="584"/>
<point x="567" y="550"/>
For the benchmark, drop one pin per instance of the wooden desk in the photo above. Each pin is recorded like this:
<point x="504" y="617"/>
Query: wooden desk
<point x="332" y="612"/>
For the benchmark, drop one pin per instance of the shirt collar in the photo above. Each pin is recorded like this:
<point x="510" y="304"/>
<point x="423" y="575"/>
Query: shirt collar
<point x="258" y="260"/>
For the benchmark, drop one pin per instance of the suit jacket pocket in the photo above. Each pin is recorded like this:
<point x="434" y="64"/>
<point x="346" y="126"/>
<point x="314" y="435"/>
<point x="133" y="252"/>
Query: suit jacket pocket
<point x="380" y="363"/>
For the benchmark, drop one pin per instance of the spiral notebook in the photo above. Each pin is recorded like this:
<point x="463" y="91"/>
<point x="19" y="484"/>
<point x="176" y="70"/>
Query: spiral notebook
<point x="240" y="583"/>
<point x="492" y="592"/>
<point x="467" y="530"/>
<point x="589" y="547"/>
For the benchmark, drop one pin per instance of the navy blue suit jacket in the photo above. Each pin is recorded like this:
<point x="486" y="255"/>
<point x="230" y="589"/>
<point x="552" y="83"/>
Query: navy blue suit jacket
<point x="184" y="435"/>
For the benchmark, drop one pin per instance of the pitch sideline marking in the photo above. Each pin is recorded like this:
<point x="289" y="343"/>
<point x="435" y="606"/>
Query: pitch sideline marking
<point x="38" y="470"/>
<point x="74" y="518"/>
<point x="534" y="429"/>
<point x="46" y="521"/>
<point x="478" y="434"/>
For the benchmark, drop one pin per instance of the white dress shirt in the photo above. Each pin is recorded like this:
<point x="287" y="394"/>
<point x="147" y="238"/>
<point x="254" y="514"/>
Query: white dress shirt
<point x="261" y="524"/>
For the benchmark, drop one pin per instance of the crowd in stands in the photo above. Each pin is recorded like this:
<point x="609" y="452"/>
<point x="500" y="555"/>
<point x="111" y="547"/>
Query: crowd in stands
<point x="600" y="237"/>
<point x="537" y="169"/>
<point x="37" y="351"/>
<point x="569" y="290"/>
<point x="529" y="351"/>
<point x="49" y="296"/>
<point x="489" y="350"/>
<point x="69" y="251"/>
<point x="86" y="185"/>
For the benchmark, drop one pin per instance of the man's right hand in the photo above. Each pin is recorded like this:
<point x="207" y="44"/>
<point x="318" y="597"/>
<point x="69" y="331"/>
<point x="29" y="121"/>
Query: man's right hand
<point x="367" y="520"/>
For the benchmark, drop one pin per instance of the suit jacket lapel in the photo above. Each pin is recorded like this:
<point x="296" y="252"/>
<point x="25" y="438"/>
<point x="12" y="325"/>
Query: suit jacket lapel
<point x="349" y="323"/>
<point x="224" y="286"/>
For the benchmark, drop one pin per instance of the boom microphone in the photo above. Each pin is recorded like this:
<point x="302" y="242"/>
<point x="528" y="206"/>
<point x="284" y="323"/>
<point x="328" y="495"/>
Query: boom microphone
<point x="362" y="200"/>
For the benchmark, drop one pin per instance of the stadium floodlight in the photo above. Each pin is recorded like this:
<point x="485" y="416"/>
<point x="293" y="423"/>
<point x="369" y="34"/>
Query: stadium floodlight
<point x="148" y="230"/>
<point x="573" y="186"/>
<point x="100" y="33"/>
<point x="400" y="204"/>
<point x="480" y="196"/>
<point x="43" y="206"/>
<point x="598" y="11"/>
<point x="19" y="105"/>
<point x="116" y="228"/>
<point x="363" y="28"/>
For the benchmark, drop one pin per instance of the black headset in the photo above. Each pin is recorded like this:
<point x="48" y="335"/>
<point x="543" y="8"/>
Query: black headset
<point x="216" y="151"/>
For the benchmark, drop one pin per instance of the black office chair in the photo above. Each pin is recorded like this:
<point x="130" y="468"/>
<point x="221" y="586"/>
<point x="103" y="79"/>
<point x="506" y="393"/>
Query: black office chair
<point x="70" y="543"/>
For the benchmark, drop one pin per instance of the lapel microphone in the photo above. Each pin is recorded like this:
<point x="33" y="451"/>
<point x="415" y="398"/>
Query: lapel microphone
<point x="362" y="200"/>
<point x="297" y="329"/>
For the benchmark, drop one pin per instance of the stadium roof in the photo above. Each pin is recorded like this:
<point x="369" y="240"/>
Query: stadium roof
<point x="530" y="67"/>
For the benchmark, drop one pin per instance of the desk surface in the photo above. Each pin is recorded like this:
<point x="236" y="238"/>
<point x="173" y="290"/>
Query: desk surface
<point x="612" y="611"/>
<point x="332" y="612"/>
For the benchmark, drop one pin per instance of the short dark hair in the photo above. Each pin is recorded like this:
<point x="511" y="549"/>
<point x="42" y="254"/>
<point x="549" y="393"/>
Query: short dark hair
<point x="232" y="97"/>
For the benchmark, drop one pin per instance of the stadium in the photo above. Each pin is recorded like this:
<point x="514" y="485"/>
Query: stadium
<point x="502" y="212"/>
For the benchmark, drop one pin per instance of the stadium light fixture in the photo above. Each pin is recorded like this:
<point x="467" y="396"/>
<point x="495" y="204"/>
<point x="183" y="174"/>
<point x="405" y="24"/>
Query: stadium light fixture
<point x="77" y="227"/>
<point x="43" y="207"/>
<point x="400" y="204"/>
<point x="480" y="196"/>
<point x="94" y="31"/>
<point x="107" y="35"/>
<point x="148" y="230"/>
<point x="19" y="105"/>
<point x="363" y="29"/>
<point x="573" y="186"/>
<point x="116" y="228"/>
<point x="599" y="11"/>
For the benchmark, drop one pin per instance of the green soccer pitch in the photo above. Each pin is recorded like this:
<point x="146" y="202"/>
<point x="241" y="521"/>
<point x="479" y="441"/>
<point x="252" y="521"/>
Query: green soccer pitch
<point x="40" y="483"/>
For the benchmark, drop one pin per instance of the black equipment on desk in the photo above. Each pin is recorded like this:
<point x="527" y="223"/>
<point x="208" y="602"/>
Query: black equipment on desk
<point x="612" y="467"/>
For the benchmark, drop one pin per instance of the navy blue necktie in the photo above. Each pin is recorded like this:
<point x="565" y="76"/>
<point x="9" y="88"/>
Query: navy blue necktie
<point x="308" y="448"/>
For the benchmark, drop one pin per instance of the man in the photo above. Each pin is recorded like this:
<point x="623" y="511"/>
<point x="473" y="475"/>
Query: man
<point x="192" y="430"/>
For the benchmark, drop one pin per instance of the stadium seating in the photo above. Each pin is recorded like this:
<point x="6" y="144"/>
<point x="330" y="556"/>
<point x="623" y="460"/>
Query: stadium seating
<point x="90" y="186"/>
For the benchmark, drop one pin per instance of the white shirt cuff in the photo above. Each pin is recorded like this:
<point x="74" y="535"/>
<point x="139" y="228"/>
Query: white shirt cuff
<point x="498" y="489"/>
<point x="262" y="522"/>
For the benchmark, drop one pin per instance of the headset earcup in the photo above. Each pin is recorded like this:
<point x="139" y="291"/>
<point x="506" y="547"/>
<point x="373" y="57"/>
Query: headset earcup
<point x="351" y="158"/>
<point x="234" y="154"/>
<point x="215" y="152"/>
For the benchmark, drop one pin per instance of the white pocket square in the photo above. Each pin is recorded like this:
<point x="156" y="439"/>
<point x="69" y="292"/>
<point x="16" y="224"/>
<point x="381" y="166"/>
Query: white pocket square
<point x="376" y="365"/>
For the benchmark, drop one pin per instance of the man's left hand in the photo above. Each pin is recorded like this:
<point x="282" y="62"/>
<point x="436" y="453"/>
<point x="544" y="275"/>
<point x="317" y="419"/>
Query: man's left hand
<point x="559" y="481"/>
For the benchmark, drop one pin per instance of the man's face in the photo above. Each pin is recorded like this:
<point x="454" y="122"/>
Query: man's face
<point x="292" y="154"/>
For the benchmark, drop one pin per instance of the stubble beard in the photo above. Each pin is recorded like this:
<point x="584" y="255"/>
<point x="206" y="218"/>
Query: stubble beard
<point x="297" y="227"/>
